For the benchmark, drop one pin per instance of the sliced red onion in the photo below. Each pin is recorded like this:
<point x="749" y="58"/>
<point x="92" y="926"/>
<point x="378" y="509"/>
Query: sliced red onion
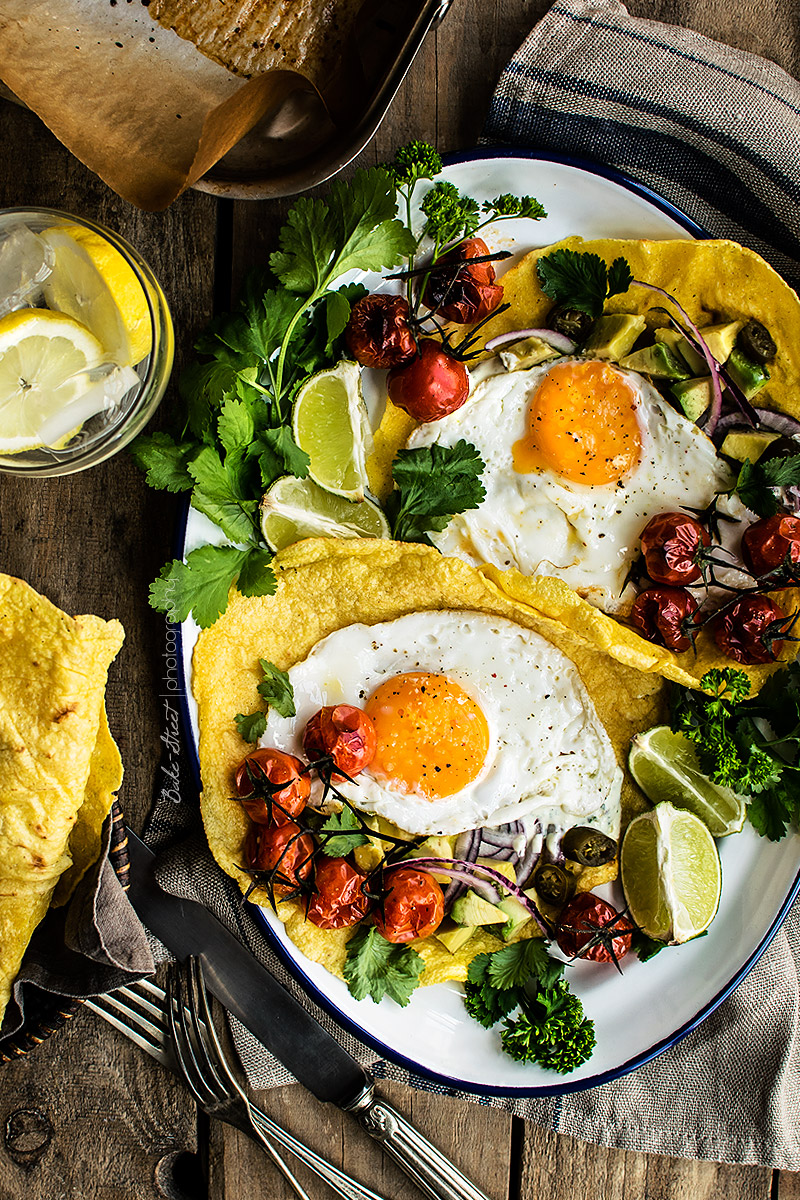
<point x="467" y="848"/>
<point x="701" y="347"/>
<point x="481" y="879"/>
<point x="558" y="341"/>
<point x="528" y="860"/>
<point x="778" y="422"/>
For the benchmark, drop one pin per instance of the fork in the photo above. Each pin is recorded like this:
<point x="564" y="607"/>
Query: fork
<point x="142" y="1011"/>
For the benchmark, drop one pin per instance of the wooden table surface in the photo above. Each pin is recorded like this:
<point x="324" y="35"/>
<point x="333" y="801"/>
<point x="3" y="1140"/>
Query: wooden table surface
<point x="87" y="1115"/>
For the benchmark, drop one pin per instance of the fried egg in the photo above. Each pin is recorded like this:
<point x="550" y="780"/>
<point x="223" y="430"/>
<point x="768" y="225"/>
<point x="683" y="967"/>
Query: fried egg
<point x="579" y="455"/>
<point x="479" y="721"/>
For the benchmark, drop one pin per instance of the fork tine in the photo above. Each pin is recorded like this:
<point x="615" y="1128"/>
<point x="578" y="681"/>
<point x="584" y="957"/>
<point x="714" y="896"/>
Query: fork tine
<point x="183" y="1043"/>
<point x="203" y="1024"/>
<point x="223" y="1067"/>
<point x="147" y="1036"/>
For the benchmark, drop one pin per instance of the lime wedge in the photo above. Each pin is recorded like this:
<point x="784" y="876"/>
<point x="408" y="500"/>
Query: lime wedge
<point x="297" y="508"/>
<point x="330" y="423"/>
<point x="671" y="874"/>
<point x="93" y="283"/>
<point x="44" y="357"/>
<point x="666" y="767"/>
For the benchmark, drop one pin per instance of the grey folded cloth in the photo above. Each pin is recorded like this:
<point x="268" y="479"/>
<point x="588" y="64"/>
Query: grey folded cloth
<point x="714" y="130"/>
<point x="91" y="945"/>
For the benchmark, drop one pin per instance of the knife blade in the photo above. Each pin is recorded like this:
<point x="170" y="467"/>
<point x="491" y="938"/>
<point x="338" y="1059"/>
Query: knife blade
<point x="285" y="1027"/>
<point x="244" y="987"/>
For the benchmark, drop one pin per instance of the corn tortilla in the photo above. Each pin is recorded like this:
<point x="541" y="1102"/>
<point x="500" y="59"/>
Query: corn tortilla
<point x="324" y="585"/>
<point x="53" y="670"/>
<point x="713" y="281"/>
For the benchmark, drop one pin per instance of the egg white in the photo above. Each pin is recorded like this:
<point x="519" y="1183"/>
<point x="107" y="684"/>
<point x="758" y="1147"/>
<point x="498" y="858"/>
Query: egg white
<point x="549" y="762"/>
<point x="542" y="524"/>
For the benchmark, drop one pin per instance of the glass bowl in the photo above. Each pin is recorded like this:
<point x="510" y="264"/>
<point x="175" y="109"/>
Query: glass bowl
<point x="99" y="435"/>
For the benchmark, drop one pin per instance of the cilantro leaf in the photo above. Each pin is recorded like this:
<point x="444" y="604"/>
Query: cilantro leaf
<point x="377" y="968"/>
<point x="620" y="277"/>
<point x="164" y="461"/>
<point x="281" y="453"/>
<point x="515" y="964"/>
<point x="355" y="229"/>
<point x="235" y="426"/>
<point x="489" y="1005"/>
<point x="251" y="726"/>
<point x="346" y="825"/>
<point x="256" y="577"/>
<point x="756" y="481"/>
<point x="199" y="586"/>
<point x="433" y="483"/>
<point x="581" y="280"/>
<point x="276" y="689"/>
<point x="204" y="387"/>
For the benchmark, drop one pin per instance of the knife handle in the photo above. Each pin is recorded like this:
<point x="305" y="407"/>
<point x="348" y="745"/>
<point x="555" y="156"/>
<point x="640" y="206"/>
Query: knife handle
<point x="431" y="1171"/>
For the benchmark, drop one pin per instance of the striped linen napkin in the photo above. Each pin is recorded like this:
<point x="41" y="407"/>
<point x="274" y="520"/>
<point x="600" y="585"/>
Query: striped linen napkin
<point x="714" y="130"/>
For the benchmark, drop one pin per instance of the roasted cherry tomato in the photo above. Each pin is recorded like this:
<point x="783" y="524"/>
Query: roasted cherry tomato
<point x="283" y="850"/>
<point x="590" y="928"/>
<point x="266" y="801"/>
<point x="670" y="544"/>
<point x="752" y="630"/>
<point x="431" y="385"/>
<point x="343" y="733"/>
<point x="378" y="333"/>
<point x="768" y="544"/>
<point x="339" y="898"/>
<point x="469" y="292"/>
<point x="412" y="906"/>
<point x="660" y="614"/>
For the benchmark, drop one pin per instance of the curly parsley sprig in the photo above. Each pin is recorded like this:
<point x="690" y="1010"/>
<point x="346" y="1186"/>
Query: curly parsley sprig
<point x="749" y="744"/>
<point x="550" y="1028"/>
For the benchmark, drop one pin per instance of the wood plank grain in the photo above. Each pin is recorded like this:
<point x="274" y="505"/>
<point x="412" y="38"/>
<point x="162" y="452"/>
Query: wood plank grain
<point x="239" y="1168"/>
<point x="99" y="1118"/>
<point x="556" y="1167"/>
<point x="92" y="542"/>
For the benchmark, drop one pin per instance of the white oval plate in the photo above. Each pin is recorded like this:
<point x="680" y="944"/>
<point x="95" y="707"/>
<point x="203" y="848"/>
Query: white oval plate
<point x="652" y="1005"/>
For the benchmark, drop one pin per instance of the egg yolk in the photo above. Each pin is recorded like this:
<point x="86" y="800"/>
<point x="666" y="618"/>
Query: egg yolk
<point x="432" y="737"/>
<point x="582" y="425"/>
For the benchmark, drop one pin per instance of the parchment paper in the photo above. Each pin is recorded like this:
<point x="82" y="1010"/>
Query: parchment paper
<point x="136" y="103"/>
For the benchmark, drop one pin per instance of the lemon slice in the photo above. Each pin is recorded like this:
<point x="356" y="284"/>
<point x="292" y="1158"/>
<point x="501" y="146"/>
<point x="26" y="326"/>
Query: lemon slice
<point x="297" y="508"/>
<point x="43" y="359"/>
<point x="671" y="874"/>
<point x="666" y="767"/>
<point x="93" y="283"/>
<point x="330" y="423"/>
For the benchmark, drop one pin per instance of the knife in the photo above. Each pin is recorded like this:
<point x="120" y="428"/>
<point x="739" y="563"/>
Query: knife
<point x="286" y="1028"/>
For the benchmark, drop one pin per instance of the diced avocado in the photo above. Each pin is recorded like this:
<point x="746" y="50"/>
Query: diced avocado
<point x="470" y="909"/>
<point x="740" y="444"/>
<point x="748" y="375"/>
<point x="499" y="864"/>
<point x="454" y="936"/>
<point x="656" y="360"/>
<point x="613" y="336"/>
<point x="517" y="915"/>
<point x="720" y="340"/>
<point x="369" y="855"/>
<point x="528" y="352"/>
<point x="693" y="395"/>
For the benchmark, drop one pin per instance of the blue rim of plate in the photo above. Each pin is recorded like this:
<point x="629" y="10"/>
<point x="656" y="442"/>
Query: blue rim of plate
<point x="387" y="1052"/>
